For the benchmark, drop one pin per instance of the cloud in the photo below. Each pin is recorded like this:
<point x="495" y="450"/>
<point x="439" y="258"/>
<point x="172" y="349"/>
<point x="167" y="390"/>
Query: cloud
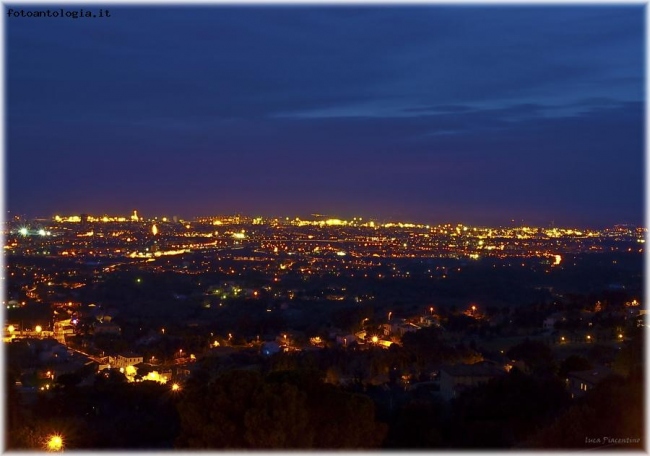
<point x="502" y="104"/>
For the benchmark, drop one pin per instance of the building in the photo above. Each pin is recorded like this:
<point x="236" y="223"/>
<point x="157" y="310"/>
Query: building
<point x="106" y="328"/>
<point x="404" y="327"/>
<point x="458" y="377"/>
<point x="125" y="360"/>
<point x="579" y="382"/>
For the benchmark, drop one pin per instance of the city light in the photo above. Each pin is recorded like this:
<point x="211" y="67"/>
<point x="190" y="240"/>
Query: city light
<point x="54" y="443"/>
<point x="176" y="387"/>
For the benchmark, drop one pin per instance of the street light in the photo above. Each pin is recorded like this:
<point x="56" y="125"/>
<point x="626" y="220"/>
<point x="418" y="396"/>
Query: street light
<point x="54" y="443"/>
<point x="389" y="314"/>
<point x="176" y="387"/>
<point x="375" y="339"/>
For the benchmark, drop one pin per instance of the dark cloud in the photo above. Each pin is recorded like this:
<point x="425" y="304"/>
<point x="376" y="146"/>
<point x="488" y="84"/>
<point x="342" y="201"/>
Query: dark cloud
<point x="437" y="112"/>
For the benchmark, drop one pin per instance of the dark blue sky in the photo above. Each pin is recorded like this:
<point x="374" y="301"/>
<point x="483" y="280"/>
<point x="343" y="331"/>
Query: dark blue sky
<point x="430" y="113"/>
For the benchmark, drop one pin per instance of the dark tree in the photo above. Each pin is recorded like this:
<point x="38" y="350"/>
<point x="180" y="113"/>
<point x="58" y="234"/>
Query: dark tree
<point x="573" y="363"/>
<point x="614" y="408"/>
<point x="537" y="356"/>
<point x="286" y="410"/>
<point x="505" y="411"/>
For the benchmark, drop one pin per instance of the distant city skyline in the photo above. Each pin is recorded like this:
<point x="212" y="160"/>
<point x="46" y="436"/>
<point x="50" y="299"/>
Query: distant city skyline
<point x="432" y="114"/>
<point x="96" y="216"/>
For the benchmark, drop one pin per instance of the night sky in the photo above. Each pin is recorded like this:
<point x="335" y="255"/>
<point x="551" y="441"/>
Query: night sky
<point x="435" y="114"/>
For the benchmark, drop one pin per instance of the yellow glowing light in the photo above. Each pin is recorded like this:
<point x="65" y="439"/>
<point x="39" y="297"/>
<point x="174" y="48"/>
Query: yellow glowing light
<point x="130" y="370"/>
<point x="154" y="230"/>
<point x="562" y="338"/>
<point x="620" y="336"/>
<point x="238" y="235"/>
<point x="333" y="222"/>
<point x="588" y="337"/>
<point x="558" y="260"/>
<point x="57" y="218"/>
<point x="217" y="222"/>
<point x="176" y="387"/>
<point x="375" y="339"/>
<point x="54" y="443"/>
<point x="11" y="328"/>
<point x="38" y="328"/>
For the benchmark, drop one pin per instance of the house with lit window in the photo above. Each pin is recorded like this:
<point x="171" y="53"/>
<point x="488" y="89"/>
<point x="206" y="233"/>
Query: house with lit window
<point x="579" y="382"/>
